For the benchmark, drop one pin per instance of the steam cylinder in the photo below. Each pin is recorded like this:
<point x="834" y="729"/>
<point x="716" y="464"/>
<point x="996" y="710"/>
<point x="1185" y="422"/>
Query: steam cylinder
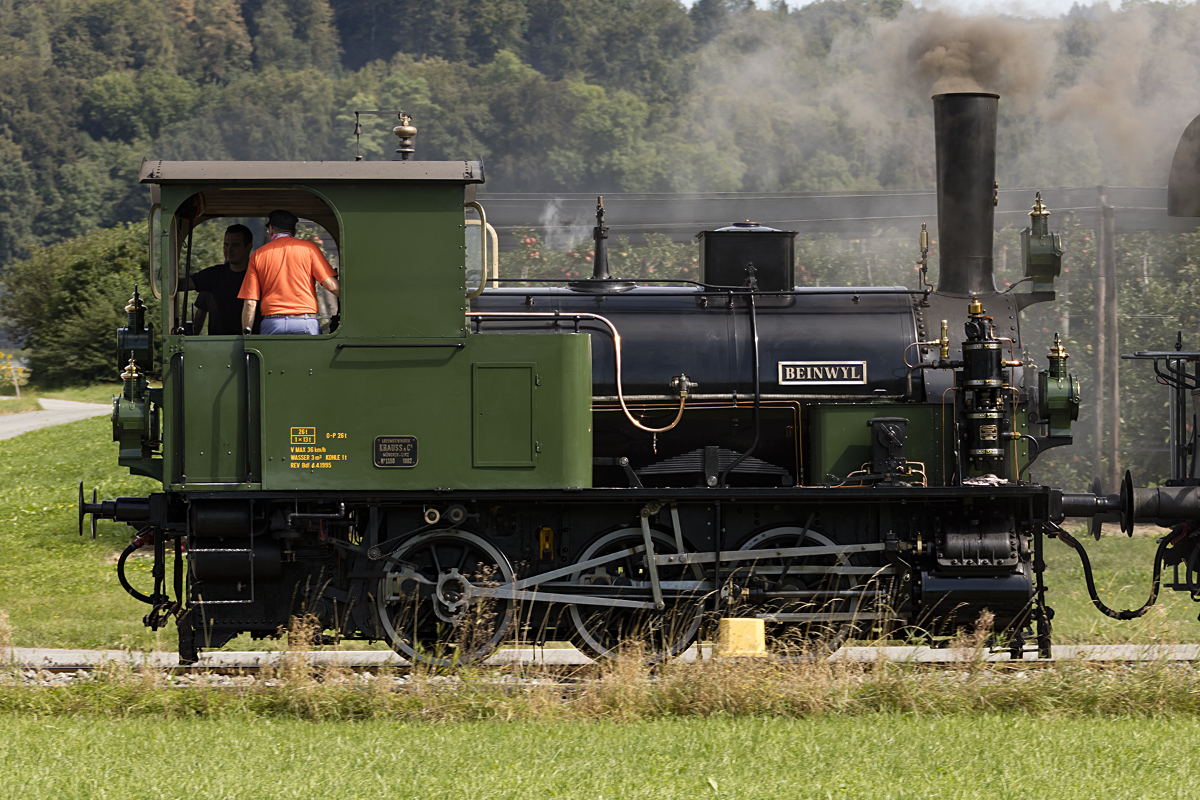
<point x="965" y="127"/>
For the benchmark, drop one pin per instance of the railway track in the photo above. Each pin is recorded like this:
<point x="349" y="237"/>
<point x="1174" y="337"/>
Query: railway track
<point x="56" y="661"/>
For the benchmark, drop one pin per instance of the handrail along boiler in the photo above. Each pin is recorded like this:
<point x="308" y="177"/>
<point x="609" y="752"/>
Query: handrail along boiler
<point x="597" y="460"/>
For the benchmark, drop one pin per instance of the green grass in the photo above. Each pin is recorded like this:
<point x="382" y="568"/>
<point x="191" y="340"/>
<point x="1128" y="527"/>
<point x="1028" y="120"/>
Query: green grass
<point x="1122" y="568"/>
<point x="58" y="589"/>
<point x="883" y="757"/>
<point x="627" y="691"/>
<point x="61" y="591"/>
<point x="10" y="404"/>
<point x="96" y="393"/>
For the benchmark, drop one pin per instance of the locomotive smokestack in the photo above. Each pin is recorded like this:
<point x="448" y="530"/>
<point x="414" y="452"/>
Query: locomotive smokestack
<point x="965" y="131"/>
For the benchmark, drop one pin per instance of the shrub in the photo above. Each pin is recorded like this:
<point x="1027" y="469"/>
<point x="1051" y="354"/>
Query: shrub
<point x="66" y="301"/>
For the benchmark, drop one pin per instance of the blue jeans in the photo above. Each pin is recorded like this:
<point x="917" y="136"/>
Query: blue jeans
<point x="276" y="325"/>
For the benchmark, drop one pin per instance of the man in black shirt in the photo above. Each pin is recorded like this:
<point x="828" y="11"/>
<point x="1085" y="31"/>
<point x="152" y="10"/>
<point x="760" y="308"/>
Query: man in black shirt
<point x="219" y="286"/>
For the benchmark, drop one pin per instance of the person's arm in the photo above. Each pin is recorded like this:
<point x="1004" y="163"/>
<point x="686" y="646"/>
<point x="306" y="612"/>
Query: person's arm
<point x="186" y="283"/>
<point x="200" y="310"/>
<point x="320" y="267"/>
<point x="249" y="294"/>
<point x="248" y="309"/>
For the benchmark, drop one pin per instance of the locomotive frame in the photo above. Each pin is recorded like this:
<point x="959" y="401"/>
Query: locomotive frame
<point x="455" y="465"/>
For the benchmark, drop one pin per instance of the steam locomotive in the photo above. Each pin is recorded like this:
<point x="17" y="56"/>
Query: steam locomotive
<point x="595" y="460"/>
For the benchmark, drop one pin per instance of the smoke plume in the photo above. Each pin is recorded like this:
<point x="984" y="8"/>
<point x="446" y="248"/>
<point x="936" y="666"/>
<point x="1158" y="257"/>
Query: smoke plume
<point x="945" y="53"/>
<point x="1093" y="97"/>
<point x="564" y="226"/>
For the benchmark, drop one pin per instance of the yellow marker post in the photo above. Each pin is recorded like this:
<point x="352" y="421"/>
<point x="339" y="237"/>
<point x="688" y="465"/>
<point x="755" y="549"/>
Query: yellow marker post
<point x="740" y="637"/>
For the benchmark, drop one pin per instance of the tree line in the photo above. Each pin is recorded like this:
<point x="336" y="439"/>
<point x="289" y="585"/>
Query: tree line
<point x="557" y="95"/>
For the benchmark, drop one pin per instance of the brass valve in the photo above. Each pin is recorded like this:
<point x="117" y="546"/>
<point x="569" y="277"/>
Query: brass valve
<point x="1039" y="208"/>
<point x="923" y="264"/>
<point x="944" y="341"/>
<point x="405" y="132"/>
<point x="683" y="386"/>
<point x="976" y="307"/>
<point x="131" y="378"/>
<point x="1057" y="351"/>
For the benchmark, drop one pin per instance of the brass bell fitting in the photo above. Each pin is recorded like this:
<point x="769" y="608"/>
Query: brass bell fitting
<point x="405" y="132"/>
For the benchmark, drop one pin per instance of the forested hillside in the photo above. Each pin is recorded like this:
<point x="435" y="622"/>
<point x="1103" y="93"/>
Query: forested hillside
<point x="580" y="95"/>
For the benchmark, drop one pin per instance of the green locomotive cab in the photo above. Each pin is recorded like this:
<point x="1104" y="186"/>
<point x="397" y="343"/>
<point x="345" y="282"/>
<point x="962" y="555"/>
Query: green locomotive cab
<point x="399" y="397"/>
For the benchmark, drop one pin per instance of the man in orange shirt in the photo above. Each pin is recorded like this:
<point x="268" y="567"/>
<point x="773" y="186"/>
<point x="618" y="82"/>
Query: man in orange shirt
<point x="280" y="277"/>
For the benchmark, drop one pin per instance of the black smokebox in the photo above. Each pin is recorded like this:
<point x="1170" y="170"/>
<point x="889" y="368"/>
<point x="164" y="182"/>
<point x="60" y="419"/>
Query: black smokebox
<point x="965" y="130"/>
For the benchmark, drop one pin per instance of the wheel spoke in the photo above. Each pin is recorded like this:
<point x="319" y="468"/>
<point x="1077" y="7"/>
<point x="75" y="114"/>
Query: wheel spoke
<point x="825" y="587"/>
<point x="601" y="630"/>
<point x="423" y="629"/>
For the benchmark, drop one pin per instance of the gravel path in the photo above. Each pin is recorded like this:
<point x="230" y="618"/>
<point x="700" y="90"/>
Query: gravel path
<point x="54" y="412"/>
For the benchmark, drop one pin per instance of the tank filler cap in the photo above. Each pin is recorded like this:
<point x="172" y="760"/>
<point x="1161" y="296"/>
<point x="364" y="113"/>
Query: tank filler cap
<point x="747" y="226"/>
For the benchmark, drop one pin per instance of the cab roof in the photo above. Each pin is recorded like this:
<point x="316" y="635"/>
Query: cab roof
<point x="292" y="172"/>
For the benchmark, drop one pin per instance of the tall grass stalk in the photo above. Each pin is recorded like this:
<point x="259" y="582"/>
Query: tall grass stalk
<point x="628" y="690"/>
<point x="6" y="652"/>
